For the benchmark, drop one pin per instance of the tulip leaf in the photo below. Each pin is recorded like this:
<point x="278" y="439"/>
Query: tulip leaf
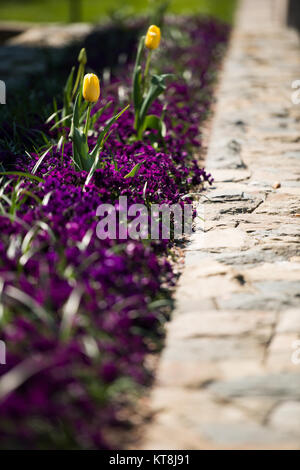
<point x="99" y="113"/>
<point x="137" y="91"/>
<point x="80" y="149"/>
<point x="137" y="78"/>
<point x="76" y="116"/>
<point x="68" y="90"/>
<point x="154" y="122"/>
<point x="103" y="135"/>
<point x="94" y="155"/>
<point x="80" y="146"/>
<point x="139" y="54"/>
<point x="157" y="87"/>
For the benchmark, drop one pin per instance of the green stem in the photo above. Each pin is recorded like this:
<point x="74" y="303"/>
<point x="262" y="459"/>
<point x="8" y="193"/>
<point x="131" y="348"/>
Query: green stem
<point x="78" y="79"/>
<point x="87" y="122"/>
<point x="62" y="152"/>
<point x="136" y="120"/>
<point x="146" y="72"/>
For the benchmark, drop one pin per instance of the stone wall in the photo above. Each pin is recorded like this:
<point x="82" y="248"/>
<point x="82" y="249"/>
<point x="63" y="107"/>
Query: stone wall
<point x="229" y="376"/>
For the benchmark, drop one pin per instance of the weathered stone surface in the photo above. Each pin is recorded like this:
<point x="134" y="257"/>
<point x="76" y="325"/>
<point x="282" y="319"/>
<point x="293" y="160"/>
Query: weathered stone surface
<point x="223" y="323"/>
<point x="214" y="349"/>
<point x="227" y="237"/>
<point x="229" y="376"/>
<point x="286" y="417"/>
<point x="52" y="35"/>
<point x="35" y="49"/>
<point x="268" y="295"/>
<point x="188" y="374"/>
<point x="10" y="29"/>
<point x="282" y="270"/>
<point x="194" y="374"/>
<point x="283" y="385"/>
<point x="279" y="355"/>
<point x="257" y="408"/>
<point x="242" y="434"/>
<point x="221" y="427"/>
<point x="289" y="322"/>
<point x="190" y="299"/>
<point x="229" y="176"/>
<point x="256" y="256"/>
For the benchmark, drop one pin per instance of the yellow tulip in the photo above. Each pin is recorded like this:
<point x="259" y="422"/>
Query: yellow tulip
<point x="91" y="88"/>
<point x="152" y="38"/>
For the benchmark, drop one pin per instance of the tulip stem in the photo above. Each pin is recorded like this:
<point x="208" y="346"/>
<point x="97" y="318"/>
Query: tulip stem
<point x="87" y="122"/>
<point x="136" y="120"/>
<point x="146" y="72"/>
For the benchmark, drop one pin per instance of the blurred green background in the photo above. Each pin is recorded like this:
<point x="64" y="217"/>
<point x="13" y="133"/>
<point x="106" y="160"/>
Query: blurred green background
<point x="94" y="10"/>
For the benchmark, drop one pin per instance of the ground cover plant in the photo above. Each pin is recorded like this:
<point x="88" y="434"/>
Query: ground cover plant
<point x="79" y="314"/>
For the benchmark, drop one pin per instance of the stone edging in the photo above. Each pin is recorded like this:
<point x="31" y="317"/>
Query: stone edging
<point x="228" y="377"/>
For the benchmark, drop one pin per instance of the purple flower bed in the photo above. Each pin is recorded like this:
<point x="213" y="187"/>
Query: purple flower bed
<point x="80" y="314"/>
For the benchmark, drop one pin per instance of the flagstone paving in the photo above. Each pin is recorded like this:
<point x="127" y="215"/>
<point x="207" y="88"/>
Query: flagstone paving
<point x="229" y="376"/>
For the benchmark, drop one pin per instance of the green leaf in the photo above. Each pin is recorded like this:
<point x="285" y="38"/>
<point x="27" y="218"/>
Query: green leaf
<point x="80" y="150"/>
<point x="60" y="142"/>
<point x="32" y="195"/>
<point x="68" y="92"/>
<point x="103" y="135"/>
<point x="46" y="198"/>
<point x="52" y="116"/>
<point x="139" y="54"/>
<point x="154" y="122"/>
<point x="76" y="116"/>
<point x="6" y="199"/>
<point x="24" y="175"/>
<point x="92" y="171"/>
<point x="45" y="138"/>
<point x="69" y="83"/>
<point x="99" y="113"/>
<point x="144" y="190"/>
<point x="60" y="121"/>
<point x="94" y="155"/>
<point x="157" y="87"/>
<point x="137" y="89"/>
<point x="137" y="79"/>
<point x="80" y="146"/>
<point x="29" y="302"/>
<point x="134" y="171"/>
<point x="83" y="106"/>
<point x="38" y="163"/>
<point x="69" y="311"/>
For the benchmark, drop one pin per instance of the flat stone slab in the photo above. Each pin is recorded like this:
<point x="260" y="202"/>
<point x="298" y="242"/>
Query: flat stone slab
<point x="52" y="35"/>
<point x="276" y="385"/>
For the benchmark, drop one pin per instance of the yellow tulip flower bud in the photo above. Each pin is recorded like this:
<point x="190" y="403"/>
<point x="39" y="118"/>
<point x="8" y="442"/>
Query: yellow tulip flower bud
<point x="152" y="39"/>
<point x="91" y="88"/>
<point x="82" y="58"/>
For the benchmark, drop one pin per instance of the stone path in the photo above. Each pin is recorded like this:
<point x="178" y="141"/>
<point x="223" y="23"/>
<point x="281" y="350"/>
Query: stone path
<point x="229" y="376"/>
